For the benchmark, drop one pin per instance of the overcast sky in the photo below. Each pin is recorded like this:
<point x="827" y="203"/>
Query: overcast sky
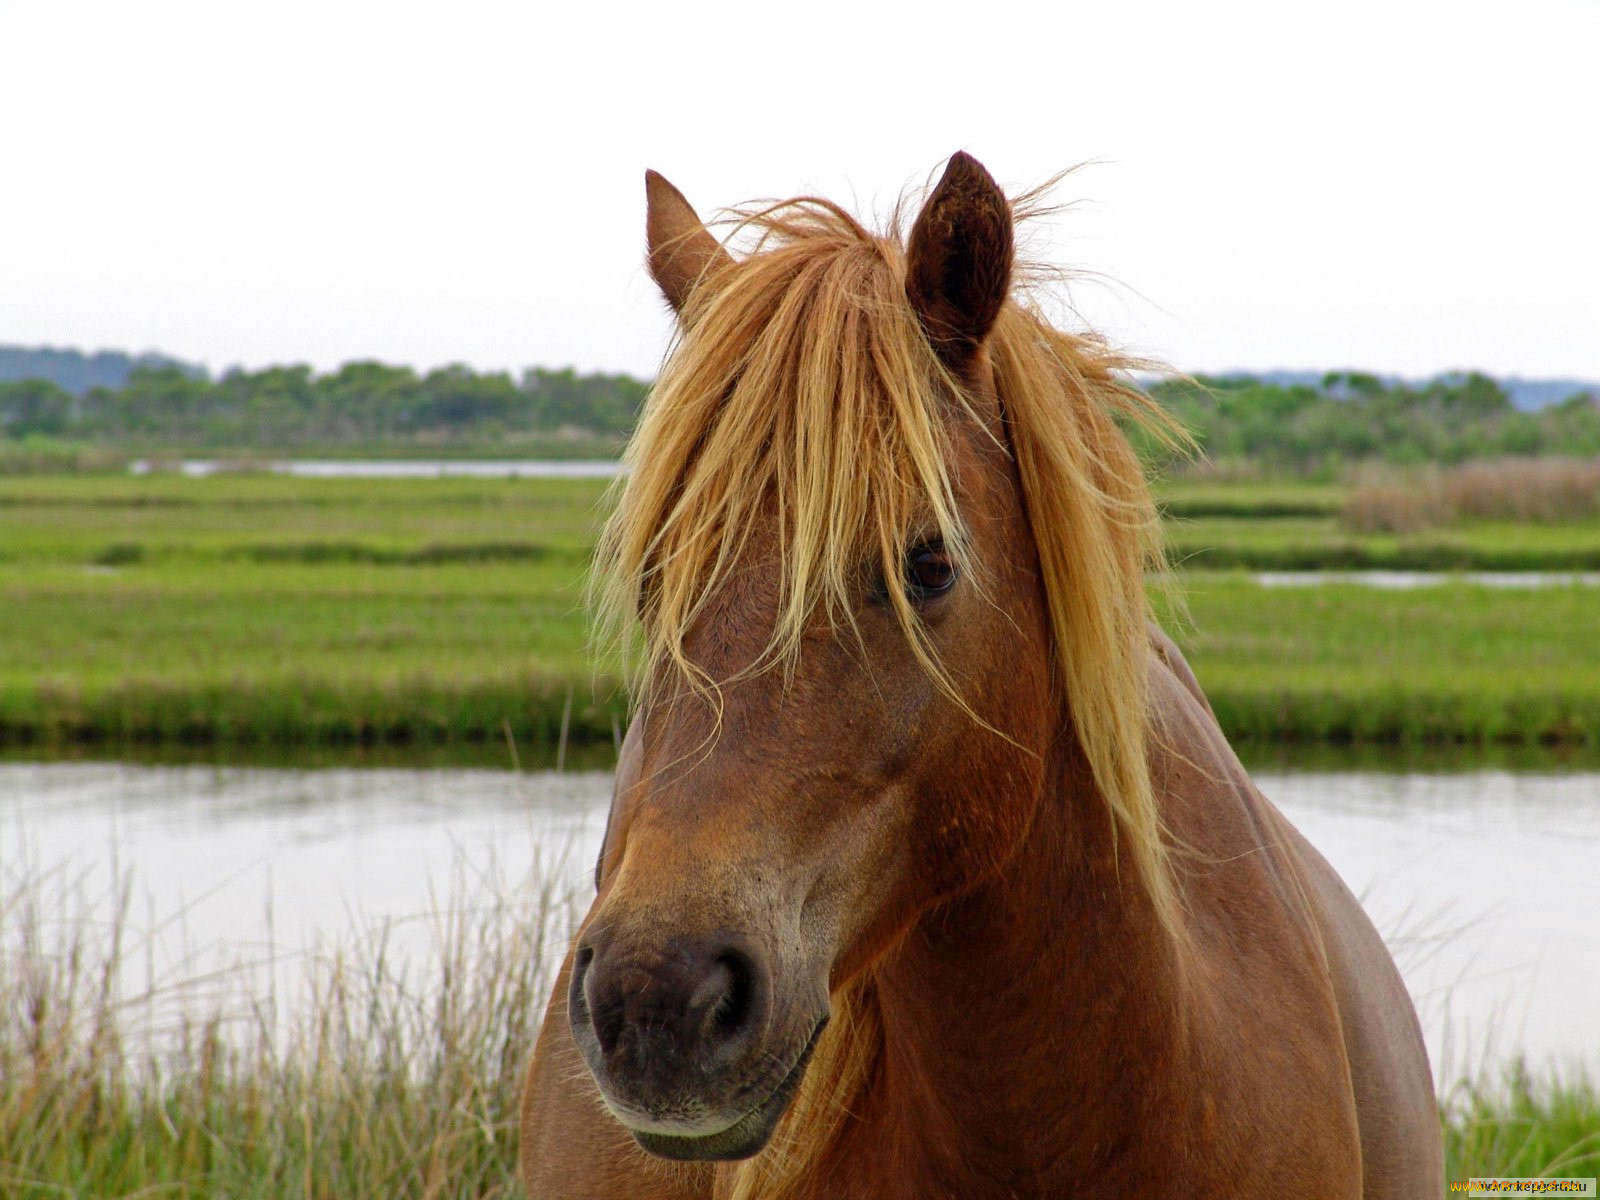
<point x="1404" y="186"/>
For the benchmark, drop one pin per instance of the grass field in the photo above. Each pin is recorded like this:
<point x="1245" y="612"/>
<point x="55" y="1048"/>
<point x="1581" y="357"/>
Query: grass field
<point x="40" y="455"/>
<point x="263" y="609"/>
<point x="1347" y="663"/>
<point x="259" y="608"/>
<point x="1298" y="526"/>
<point x="1301" y="542"/>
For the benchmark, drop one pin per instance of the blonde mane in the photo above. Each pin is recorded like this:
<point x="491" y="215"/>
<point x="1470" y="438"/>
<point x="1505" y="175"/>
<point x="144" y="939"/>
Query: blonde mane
<point x="802" y="384"/>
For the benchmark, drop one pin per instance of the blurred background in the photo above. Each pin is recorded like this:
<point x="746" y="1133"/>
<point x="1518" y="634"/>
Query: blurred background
<point x="322" y="327"/>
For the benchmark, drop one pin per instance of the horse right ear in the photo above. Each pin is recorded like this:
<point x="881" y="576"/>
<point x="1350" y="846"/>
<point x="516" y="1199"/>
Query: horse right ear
<point x="958" y="266"/>
<point x="682" y="251"/>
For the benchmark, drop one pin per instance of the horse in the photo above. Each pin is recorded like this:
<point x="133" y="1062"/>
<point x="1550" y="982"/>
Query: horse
<point x="928" y="870"/>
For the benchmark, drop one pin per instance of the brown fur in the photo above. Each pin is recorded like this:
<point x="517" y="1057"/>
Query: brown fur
<point x="1051" y="970"/>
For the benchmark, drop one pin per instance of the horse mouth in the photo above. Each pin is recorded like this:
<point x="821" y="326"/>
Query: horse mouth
<point x="746" y="1136"/>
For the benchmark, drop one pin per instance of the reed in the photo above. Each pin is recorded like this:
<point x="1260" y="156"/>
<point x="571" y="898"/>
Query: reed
<point x="1538" y="490"/>
<point x="1524" y="489"/>
<point x="1394" y="506"/>
<point x="383" y="1076"/>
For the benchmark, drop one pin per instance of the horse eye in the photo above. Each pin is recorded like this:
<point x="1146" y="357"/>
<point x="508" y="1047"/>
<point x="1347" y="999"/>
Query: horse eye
<point x="929" y="571"/>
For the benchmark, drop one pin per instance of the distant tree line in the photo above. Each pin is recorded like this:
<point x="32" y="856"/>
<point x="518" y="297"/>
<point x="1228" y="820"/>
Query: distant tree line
<point x="77" y="371"/>
<point x="1289" y="426"/>
<point x="1354" y="417"/>
<point x="284" y="407"/>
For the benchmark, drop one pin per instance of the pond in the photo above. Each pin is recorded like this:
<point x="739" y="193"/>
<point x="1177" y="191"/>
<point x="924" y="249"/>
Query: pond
<point x="396" y="468"/>
<point x="1486" y="882"/>
<point x="1404" y="581"/>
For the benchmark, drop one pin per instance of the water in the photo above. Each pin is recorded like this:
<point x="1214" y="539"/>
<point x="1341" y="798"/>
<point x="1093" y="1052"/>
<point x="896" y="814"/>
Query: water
<point x="400" y="468"/>
<point x="1486" y="882"/>
<point x="247" y="875"/>
<point x="1486" y="885"/>
<point x="1407" y="580"/>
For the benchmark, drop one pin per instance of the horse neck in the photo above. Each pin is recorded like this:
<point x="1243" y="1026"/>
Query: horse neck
<point x="1045" y="1005"/>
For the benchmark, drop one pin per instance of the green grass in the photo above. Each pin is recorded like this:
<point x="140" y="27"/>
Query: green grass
<point x="75" y="519"/>
<point x="256" y="609"/>
<point x="1522" y="1125"/>
<point x="1296" y="526"/>
<point x="245" y="651"/>
<point x="1188" y="498"/>
<point x="271" y="610"/>
<point x="1344" y="663"/>
<point x="1306" y="543"/>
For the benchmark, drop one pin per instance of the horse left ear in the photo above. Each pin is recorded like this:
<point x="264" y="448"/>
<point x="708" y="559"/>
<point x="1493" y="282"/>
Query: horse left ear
<point x="958" y="268"/>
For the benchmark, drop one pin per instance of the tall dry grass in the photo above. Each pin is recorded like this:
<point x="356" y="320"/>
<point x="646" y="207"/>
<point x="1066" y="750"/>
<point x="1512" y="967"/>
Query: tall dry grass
<point x="1546" y="489"/>
<point x="386" y="1073"/>
<point x="1524" y="489"/>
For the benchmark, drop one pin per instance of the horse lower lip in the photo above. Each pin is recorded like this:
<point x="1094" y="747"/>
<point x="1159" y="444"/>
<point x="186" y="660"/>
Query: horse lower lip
<point x="746" y="1136"/>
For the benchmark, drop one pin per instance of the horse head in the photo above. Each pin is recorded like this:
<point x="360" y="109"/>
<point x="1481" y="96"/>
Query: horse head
<point x="826" y="547"/>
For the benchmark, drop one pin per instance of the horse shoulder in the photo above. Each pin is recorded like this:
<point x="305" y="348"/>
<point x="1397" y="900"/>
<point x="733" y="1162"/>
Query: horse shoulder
<point x="1401" y="1150"/>
<point x="1240" y="830"/>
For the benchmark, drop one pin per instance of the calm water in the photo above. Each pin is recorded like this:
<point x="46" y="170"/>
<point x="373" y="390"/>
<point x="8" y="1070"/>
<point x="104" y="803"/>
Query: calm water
<point x="1403" y="581"/>
<point x="1486" y="882"/>
<point x="402" y="468"/>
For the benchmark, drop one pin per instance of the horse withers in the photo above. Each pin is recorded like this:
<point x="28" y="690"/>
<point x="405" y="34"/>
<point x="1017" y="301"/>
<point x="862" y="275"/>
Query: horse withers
<point x="929" y="872"/>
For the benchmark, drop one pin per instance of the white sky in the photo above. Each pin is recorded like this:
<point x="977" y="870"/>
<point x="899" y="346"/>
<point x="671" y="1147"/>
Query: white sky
<point x="1404" y="186"/>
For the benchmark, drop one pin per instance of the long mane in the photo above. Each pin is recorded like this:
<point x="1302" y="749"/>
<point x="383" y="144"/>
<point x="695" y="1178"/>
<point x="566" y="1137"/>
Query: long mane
<point x="802" y="384"/>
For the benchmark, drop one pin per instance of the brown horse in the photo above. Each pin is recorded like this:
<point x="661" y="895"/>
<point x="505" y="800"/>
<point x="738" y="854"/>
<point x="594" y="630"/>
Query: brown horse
<point x="929" y="873"/>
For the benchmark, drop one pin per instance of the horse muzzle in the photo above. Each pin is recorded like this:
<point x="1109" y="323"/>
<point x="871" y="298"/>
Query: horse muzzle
<point x="692" y="1051"/>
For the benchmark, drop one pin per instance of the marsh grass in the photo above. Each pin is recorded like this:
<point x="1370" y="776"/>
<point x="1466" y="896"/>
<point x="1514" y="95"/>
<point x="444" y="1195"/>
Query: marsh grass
<point x="433" y="552"/>
<point x="259" y="611"/>
<point x="1341" y="663"/>
<point x="1536" y="490"/>
<point x="1321" y="544"/>
<point x="1522" y="1124"/>
<point x="417" y="708"/>
<point x="37" y="454"/>
<point x="1524" y="489"/>
<point x="381" y="1073"/>
<point x="1247" y="498"/>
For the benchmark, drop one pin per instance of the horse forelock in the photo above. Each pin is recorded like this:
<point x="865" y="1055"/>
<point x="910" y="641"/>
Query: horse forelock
<point x="800" y="390"/>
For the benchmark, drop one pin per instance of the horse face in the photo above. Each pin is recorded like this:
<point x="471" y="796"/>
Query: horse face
<point x="766" y="850"/>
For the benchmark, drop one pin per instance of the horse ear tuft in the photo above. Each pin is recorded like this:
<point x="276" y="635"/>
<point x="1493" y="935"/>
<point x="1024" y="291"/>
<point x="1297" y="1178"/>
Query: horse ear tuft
<point x="681" y="250"/>
<point x="958" y="268"/>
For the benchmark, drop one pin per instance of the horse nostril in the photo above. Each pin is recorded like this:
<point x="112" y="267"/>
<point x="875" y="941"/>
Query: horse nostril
<point x="584" y="1008"/>
<point x="578" y="996"/>
<point x="733" y="1007"/>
